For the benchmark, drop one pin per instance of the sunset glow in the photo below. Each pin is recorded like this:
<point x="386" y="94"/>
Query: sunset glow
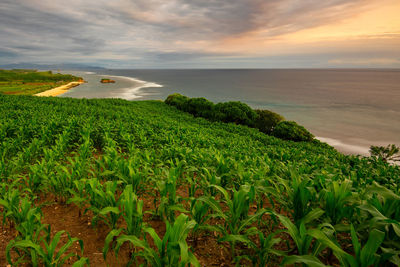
<point x="362" y="33"/>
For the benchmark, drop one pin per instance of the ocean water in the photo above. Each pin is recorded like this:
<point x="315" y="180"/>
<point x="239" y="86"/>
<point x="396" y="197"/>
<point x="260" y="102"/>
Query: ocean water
<point x="349" y="109"/>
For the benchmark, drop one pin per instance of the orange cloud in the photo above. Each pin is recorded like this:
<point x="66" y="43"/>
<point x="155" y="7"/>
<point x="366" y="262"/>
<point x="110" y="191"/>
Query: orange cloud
<point x="377" y="24"/>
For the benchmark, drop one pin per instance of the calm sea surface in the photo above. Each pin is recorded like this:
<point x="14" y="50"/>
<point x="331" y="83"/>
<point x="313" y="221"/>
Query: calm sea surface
<point x="349" y="109"/>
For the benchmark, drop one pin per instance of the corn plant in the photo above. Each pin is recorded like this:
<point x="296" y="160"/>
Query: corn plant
<point x="223" y="169"/>
<point x="263" y="248"/>
<point x="208" y="179"/>
<point x="17" y="208"/>
<point x="103" y="201"/>
<point x="61" y="183"/>
<point x="199" y="211"/>
<point x="363" y="256"/>
<point x="383" y="209"/>
<point x="295" y="194"/>
<point x="307" y="249"/>
<point x="47" y="253"/>
<point x="62" y="144"/>
<point x="4" y="168"/>
<point x="171" y="250"/>
<point x="132" y="212"/>
<point x="37" y="175"/>
<point x="338" y="201"/>
<point x="79" y="197"/>
<point x="169" y="201"/>
<point x="28" y="224"/>
<point x="237" y="220"/>
<point x="128" y="171"/>
<point x="9" y="201"/>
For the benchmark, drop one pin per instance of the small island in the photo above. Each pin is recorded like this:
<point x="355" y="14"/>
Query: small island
<point x="107" y="81"/>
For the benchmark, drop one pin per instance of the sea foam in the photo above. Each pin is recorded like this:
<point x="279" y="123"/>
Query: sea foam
<point x="132" y="92"/>
<point x="347" y="148"/>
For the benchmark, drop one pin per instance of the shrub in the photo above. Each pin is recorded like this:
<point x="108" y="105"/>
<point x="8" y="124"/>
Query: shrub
<point x="236" y="112"/>
<point x="266" y="120"/>
<point x="290" y="130"/>
<point x="176" y="100"/>
<point x="199" y="107"/>
<point x="388" y="153"/>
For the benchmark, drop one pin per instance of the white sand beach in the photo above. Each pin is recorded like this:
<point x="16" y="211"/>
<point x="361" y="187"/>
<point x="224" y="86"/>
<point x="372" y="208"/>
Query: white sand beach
<point x="59" y="90"/>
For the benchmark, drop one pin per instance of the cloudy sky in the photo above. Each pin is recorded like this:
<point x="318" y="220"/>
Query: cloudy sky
<point x="202" y="33"/>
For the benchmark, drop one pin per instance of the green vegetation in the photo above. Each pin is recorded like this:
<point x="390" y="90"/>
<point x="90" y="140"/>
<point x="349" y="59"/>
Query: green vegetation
<point x="290" y="130"/>
<point x="267" y="120"/>
<point x="29" y="82"/>
<point x="107" y="81"/>
<point x="237" y="112"/>
<point x="166" y="188"/>
<point x="388" y="153"/>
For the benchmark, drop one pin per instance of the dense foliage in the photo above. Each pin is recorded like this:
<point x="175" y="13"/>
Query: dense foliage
<point x="267" y="120"/>
<point x="199" y="107"/>
<point x="388" y="153"/>
<point x="290" y="130"/>
<point x="177" y="100"/>
<point x="260" y="199"/>
<point x="240" y="113"/>
<point x="27" y="82"/>
<point x="235" y="111"/>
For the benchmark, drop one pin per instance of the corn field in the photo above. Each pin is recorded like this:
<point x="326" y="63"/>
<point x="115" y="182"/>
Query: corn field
<point x="163" y="188"/>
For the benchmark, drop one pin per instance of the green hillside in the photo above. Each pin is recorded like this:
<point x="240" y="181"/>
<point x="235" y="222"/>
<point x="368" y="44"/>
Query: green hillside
<point x="159" y="186"/>
<point x="29" y="82"/>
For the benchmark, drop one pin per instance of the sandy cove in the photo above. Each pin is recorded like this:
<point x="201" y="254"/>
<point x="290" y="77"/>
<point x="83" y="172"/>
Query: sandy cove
<point x="59" y="90"/>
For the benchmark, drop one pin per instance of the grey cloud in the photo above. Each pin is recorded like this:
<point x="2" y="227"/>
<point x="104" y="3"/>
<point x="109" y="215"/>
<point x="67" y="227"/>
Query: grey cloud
<point x="127" y="30"/>
<point x="7" y="54"/>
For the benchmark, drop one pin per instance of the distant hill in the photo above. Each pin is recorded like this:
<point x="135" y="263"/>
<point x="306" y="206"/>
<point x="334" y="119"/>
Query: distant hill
<point x="61" y="66"/>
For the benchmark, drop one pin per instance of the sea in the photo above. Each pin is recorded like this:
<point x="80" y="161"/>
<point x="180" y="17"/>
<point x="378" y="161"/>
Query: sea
<point x="350" y="109"/>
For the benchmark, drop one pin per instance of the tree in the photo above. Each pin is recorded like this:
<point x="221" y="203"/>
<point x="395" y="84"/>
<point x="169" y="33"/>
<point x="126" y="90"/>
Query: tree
<point x="388" y="153"/>
<point x="235" y="111"/>
<point x="266" y="120"/>
<point x="290" y="130"/>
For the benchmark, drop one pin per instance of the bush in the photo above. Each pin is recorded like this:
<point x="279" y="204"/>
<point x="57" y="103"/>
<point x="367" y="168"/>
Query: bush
<point x="290" y="130"/>
<point x="388" y="153"/>
<point x="199" y="107"/>
<point x="177" y="100"/>
<point x="266" y="120"/>
<point x="236" y="112"/>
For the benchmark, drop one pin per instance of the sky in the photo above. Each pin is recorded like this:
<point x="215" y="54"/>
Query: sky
<point x="202" y="33"/>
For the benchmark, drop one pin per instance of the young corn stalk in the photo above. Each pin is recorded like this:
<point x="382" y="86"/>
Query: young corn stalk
<point x="128" y="171"/>
<point x="307" y="250"/>
<point x="103" y="202"/>
<point x="382" y="212"/>
<point x="363" y="256"/>
<point x="263" y="248"/>
<point x="46" y="251"/>
<point x="132" y="212"/>
<point x="16" y="206"/>
<point x="172" y="250"/>
<point x="169" y="201"/>
<point x="296" y="195"/>
<point x="79" y="196"/>
<point x="338" y="202"/>
<point x="237" y="220"/>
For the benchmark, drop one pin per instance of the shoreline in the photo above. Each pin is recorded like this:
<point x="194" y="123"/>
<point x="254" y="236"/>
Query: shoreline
<point x="60" y="89"/>
<point x="131" y="92"/>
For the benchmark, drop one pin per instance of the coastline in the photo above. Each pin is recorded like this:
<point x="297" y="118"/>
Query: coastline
<point x="60" y="89"/>
<point x="131" y="92"/>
